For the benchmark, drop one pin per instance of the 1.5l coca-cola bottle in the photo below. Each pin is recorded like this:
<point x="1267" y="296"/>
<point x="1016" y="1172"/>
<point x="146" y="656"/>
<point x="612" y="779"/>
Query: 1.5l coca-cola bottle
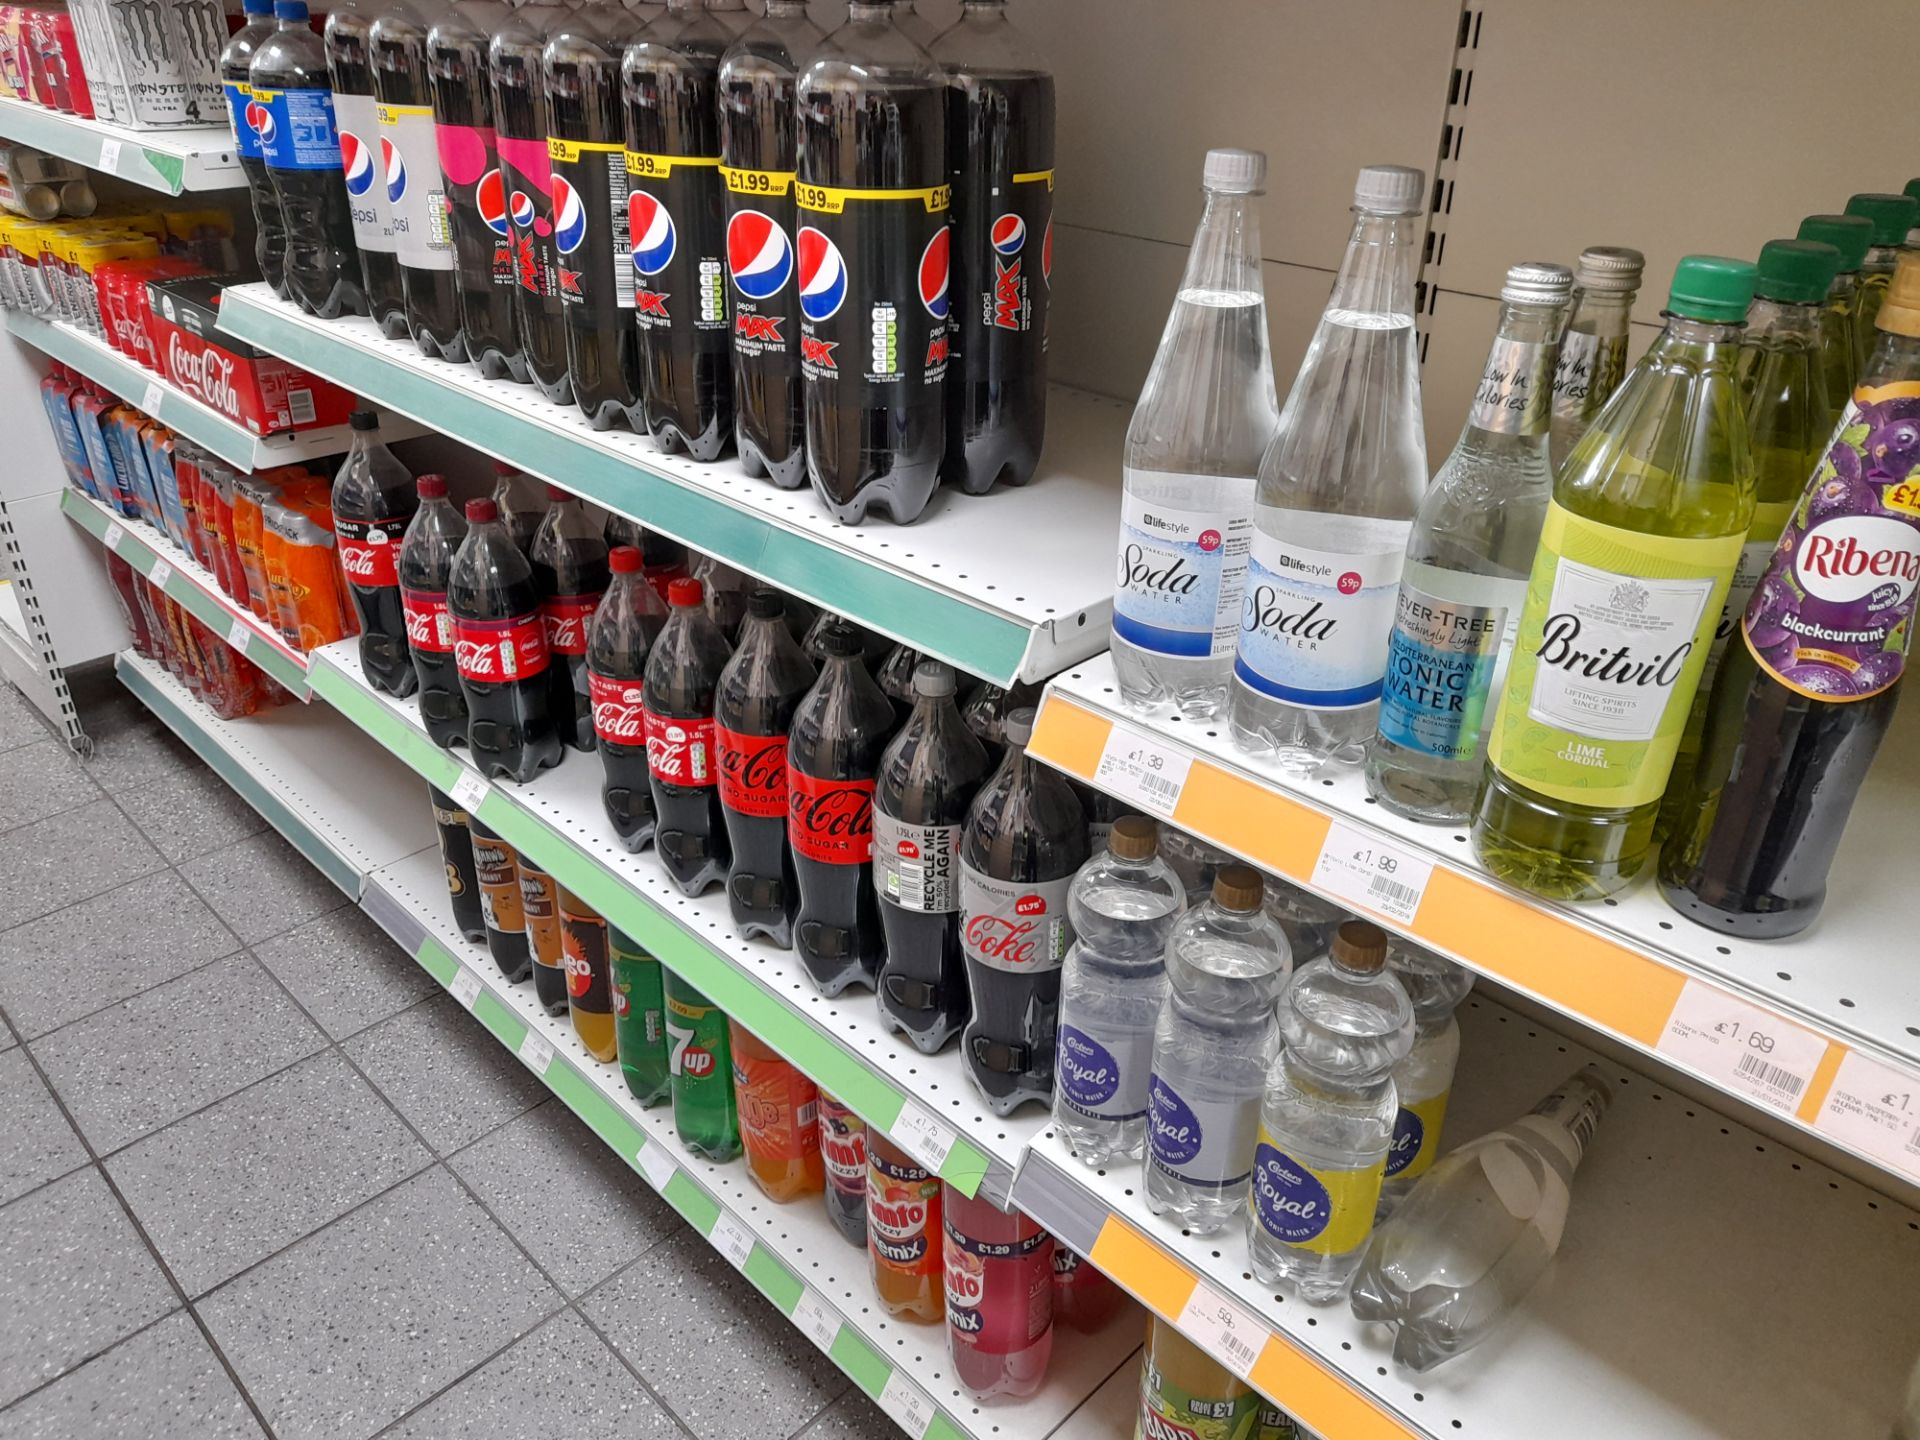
<point x="1026" y="835"/>
<point x="928" y="778"/>
<point x="500" y="646"/>
<point x="683" y="668"/>
<point x="832" y="756"/>
<point x="754" y="706"/>
<point x="895" y="679"/>
<point x="624" y="628"/>
<point x="426" y="559"/>
<point x="373" y="500"/>
<point x="570" y="573"/>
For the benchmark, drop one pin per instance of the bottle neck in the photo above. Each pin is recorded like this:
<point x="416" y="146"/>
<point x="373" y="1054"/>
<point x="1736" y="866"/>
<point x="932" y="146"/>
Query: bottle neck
<point x="1783" y="320"/>
<point x="1376" y="274"/>
<point x="1226" y="250"/>
<point x="1603" y="312"/>
<point x="1844" y="286"/>
<point x="1894" y="358"/>
<point x="1514" y="400"/>
<point x="1574" y="1111"/>
<point x="1703" y="340"/>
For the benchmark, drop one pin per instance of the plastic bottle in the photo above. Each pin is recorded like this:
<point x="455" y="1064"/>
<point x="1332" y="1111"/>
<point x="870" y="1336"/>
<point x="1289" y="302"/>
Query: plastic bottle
<point x="1423" y="1082"/>
<point x="1084" y="1299"/>
<point x="1185" y="1392"/>
<point x="416" y="193"/>
<point x="350" y="65"/>
<point x="986" y="708"/>
<point x="843" y="1148"/>
<point x="726" y="591"/>
<point x="1123" y="905"/>
<point x="683" y="671"/>
<point x="1227" y="963"/>
<point x="456" y="852"/>
<point x="269" y="225"/>
<point x="502" y="906"/>
<point x="1338" y="489"/>
<point x="779" y="1119"/>
<point x="998" y="1278"/>
<point x="903" y="1233"/>
<point x="627" y="622"/>
<point x="1593" y="353"/>
<point x="585" y="947"/>
<point x="540" y="904"/>
<point x="700" y="1071"/>
<point x="1892" y="216"/>
<point x="526" y="177"/>
<point x="373" y="501"/>
<point x="570" y="574"/>
<point x="523" y="504"/>
<point x="426" y="559"/>
<point x="1193" y="455"/>
<point x="500" y="647"/>
<point x="1841" y="347"/>
<point x="895" y="679"/>
<point x="639" y="1018"/>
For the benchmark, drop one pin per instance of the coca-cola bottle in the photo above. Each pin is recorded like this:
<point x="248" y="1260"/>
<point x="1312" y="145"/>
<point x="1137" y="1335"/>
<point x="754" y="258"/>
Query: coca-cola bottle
<point x="522" y="501"/>
<point x="624" y="628"/>
<point x="1026" y="835"/>
<point x="665" y="559"/>
<point x="500" y="646"/>
<point x="426" y="558"/>
<point x="570" y="573"/>
<point x="373" y="500"/>
<point x="874" y="647"/>
<point x="727" y="592"/>
<point x="759" y="692"/>
<point x="833" y="755"/>
<point x="928" y="777"/>
<point x="683" y="668"/>
<point x="895" y="679"/>
<point x="985" y="712"/>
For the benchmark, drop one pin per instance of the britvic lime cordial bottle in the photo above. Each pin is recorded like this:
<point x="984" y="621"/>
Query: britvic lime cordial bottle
<point x="1841" y="347"/>
<point x="1641" y="538"/>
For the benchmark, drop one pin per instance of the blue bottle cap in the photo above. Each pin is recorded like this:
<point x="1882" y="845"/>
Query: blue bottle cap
<point x="295" y="10"/>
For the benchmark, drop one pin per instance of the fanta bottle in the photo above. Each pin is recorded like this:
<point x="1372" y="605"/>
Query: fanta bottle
<point x="903" y="1232"/>
<point x="843" y="1146"/>
<point x="583" y="947"/>
<point x="779" y="1119"/>
<point x="700" y="1072"/>
<point x="999" y="1284"/>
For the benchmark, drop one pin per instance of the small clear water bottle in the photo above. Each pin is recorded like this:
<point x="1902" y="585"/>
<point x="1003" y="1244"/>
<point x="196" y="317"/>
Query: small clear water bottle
<point x="1593" y="354"/>
<point x="1424" y="1080"/>
<point x="1193" y="451"/>
<point x="1227" y="964"/>
<point x="1328" y="1116"/>
<point x="1123" y="905"/>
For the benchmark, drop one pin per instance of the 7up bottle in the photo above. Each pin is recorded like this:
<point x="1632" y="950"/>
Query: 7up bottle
<point x="700" y="1070"/>
<point x="639" y="1019"/>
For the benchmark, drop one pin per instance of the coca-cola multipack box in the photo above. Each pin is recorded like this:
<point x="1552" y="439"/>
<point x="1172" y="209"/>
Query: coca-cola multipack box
<point x="248" y="386"/>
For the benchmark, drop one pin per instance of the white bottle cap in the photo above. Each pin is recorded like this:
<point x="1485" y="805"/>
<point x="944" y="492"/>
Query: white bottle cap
<point x="1236" y="172"/>
<point x="1390" y="190"/>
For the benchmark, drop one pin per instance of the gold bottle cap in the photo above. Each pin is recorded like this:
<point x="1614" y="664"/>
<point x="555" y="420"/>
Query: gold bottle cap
<point x="1134" y="837"/>
<point x="1360" y="945"/>
<point x="1237" y="887"/>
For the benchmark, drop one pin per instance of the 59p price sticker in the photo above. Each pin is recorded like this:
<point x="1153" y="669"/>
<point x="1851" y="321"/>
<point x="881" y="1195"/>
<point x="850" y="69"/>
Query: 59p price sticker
<point x="1137" y="767"/>
<point x="1222" y="1327"/>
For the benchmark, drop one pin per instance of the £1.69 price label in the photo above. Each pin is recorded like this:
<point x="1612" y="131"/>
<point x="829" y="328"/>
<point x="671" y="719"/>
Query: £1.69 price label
<point x="1741" y="1046"/>
<point x="1371" y="873"/>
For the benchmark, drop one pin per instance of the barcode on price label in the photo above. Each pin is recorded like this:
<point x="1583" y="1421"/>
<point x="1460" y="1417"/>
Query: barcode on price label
<point x="1751" y="1052"/>
<point x="1371" y="873"/>
<point x="1222" y="1327"/>
<point x="922" y="1136"/>
<point x="1874" y="1109"/>
<point x="160" y="574"/>
<point x="732" y="1240"/>
<point x="1139" y="768"/>
<point x="152" y="396"/>
<point x="468" y="791"/>
<point x="816" y="1319"/>
<point x="656" y="1164"/>
<point x="466" y="987"/>
<point x="110" y="153"/>
<point x="239" y="636"/>
<point x="537" y="1051"/>
<point x="1777" y="1077"/>
<point x="907" y="1404"/>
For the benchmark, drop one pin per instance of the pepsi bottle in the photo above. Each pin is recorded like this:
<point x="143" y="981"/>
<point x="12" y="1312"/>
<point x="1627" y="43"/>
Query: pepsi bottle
<point x="754" y="705"/>
<point x="410" y="159"/>
<point x="1000" y="112"/>
<point x="500" y="647"/>
<point x="872" y="249"/>
<point x="476" y="193"/>
<point x="350" y="65"/>
<point x="373" y="502"/>
<point x="526" y="179"/>
<point x="624" y="628"/>
<point x="292" y="113"/>
<point x="683" y="669"/>
<point x="758" y="141"/>
<point x="570" y="575"/>
<point x="236" y="62"/>
<point x="426" y="559"/>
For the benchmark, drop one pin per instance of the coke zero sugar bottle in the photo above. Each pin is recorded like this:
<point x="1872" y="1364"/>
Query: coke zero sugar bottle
<point x="570" y="574"/>
<point x="456" y="851"/>
<point x="727" y="591"/>
<point x="500" y="646"/>
<point x="927" y="780"/>
<point x="410" y="157"/>
<point x="623" y="631"/>
<point x="1026" y="835"/>
<point x="426" y="559"/>
<point x="843" y="1146"/>
<point x="833" y="754"/>
<point x="350" y="67"/>
<point x="683" y="669"/>
<point x="754" y="704"/>
<point x="999" y="1281"/>
<point x="526" y="182"/>
<point x="874" y="647"/>
<point x="497" y="867"/>
<point x="895" y="679"/>
<point x="985" y="712"/>
<point x="373" y="499"/>
<point x="523" y="504"/>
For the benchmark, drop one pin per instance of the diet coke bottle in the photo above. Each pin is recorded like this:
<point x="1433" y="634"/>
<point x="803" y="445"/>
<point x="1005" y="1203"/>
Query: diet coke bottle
<point x="624" y="628"/>
<point x="759" y="692"/>
<point x="426" y="559"/>
<point x="500" y="647"/>
<point x="1026" y="835"/>
<point x="570" y="573"/>
<point x="833" y="755"/>
<point x="373" y="500"/>
<point x="683" y="668"/>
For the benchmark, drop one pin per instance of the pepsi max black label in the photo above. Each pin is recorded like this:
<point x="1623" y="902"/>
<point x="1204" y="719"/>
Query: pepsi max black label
<point x="1012" y="275"/>
<point x="590" y="222"/>
<point x="526" y="176"/>
<point x="470" y="161"/>
<point x="246" y="139"/>
<point x="673" y="223"/>
<point x="359" y="117"/>
<point x="874" y="299"/>
<point x="296" y="128"/>
<point x="760" y="218"/>
<point x="416" y="191"/>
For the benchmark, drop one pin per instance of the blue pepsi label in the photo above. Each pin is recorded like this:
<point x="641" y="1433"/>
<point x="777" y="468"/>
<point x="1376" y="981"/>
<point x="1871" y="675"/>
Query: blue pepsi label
<point x="1441" y="658"/>
<point x="246" y="140"/>
<point x="1202" y="1141"/>
<point x="1181" y="572"/>
<point x="296" y="128"/>
<point x="1314" y="626"/>
<point x="1104" y="1075"/>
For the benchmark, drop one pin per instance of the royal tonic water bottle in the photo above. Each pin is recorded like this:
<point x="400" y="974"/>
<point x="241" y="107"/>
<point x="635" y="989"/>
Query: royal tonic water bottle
<point x="1338" y="488"/>
<point x="1193" y="451"/>
<point x="1841" y="346"/>
<point x="1423" y="1081"/>
<point x="1593" y="353"/>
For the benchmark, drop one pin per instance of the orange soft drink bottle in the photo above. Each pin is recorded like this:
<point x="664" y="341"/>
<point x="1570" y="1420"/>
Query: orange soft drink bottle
<point x="903" y="1232"/>
<point x="583" y="942"/>
<point x="779" y="1119"/>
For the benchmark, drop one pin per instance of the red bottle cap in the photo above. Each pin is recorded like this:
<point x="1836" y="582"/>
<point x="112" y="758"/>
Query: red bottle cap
<point x="482" y="512"/>
<point x="556" y="494"/>
<point x="432" y="487"/>
<point x="623" y="560"/>
<point x="685" y="591"/>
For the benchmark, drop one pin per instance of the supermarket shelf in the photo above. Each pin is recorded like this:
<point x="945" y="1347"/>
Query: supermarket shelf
<point x="20" y="661"/>
<point x="1016" y="585"/>
<point x="1685" y="1303"/>
<point x="1836" y="1019"/>
<point x="183" y="577"/>
<point x="925" y="1100"/>
<point x="199" y="422"/>
<point x="193" y="158"/>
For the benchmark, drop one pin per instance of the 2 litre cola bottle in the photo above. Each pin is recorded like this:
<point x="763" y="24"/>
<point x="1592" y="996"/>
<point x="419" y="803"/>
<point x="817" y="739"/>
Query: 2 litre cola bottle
<point x="683" y="669"/>
<point x="624" y="627"/>
<point x="1026" y="835"/>
<point x="526" y="184"/>
<point x="500" y="645"/>
<point x="236" y="62"/>
<point x="410" y="159"/>
<point x="570" y="574"/>
<point x="759" y="692"/>
<point x="426" y="559"/>
<point x="833" y="755"/>
<point x="758" y="141"/>
<point x="872" y="245"/>
<point x="373" y="500"/>
<point x="350" y="66"/>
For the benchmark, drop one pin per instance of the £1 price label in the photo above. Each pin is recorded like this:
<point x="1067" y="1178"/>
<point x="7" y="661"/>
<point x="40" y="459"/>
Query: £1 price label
<point x="1748" y="1050"/>
<point x="816" y="1319"/>
<point x="1137" y="767"/>
<point x="1222" y="1327"/>
<point x="907" y="1405"/>
<point x="466" y="987"/>
<point x="921" y="1135"/>
<point x="1874" y="1109"/>
<point x="731" y="1239"/>
<point x="656" y="1164"/>
<point x="1372" y="873"/>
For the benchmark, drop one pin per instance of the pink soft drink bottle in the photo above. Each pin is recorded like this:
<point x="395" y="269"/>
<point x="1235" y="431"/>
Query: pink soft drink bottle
<point x="999" y="1282"/>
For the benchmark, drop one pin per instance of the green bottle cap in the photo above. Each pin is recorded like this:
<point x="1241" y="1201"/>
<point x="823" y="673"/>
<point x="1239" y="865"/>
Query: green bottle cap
<point x="1892" y="215"/>
<point x="1849" y="234"/>
<point x="1712" y="288"/>
<point x="1913" y="188"/>
<point x="1797" y="271"/>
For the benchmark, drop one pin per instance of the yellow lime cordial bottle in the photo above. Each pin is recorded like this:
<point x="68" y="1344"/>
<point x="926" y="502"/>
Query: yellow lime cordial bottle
<point x="1647" y="521"/>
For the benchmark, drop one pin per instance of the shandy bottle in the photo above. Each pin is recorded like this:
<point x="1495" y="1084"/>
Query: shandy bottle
<point x="700" y="1068"/>
<point x="779" y="1119"/>
<point x="639" y="1019"/>
<point x="1185" y="1392"/>
<point x="583" y="945"/>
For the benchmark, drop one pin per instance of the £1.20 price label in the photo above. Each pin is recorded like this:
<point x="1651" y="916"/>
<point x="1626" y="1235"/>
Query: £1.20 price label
<point x="907" y="1404"/>
<point x="1137" y="767"/>
<point x="1371" y="873"/>
<point x="1741" y="1046"/>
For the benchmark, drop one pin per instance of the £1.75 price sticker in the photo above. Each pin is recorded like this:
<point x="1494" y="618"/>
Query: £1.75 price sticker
<point x="1137" y="767"/>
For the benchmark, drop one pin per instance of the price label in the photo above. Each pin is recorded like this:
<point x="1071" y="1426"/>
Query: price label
<point x="113" y="537"/>
<point x="657" y="1165"/>
<point x="1222" y="1327"/>
<point x="109" y="155"/>
<point x="160" y="574"/>
<point x="239" y="636"/>
<point x="1874" y="1109"/>
<point x="1742" y="1047"/>
<point x="466" y="987"/>
<point x="816" y="1319"/>
<point x="1137" y="767"/>
<point x="536" y="1051"/>
<point x="151" y="397"/>
<point x="1372" y="873"/>
<point x="469" y="790"/>
<point x="907" y="1405"/>
<point x="732" y="1240"/>
<point x="922" y="1135"/>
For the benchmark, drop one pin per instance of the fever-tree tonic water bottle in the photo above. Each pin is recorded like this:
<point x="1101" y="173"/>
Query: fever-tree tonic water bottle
<point x="1593" y="353"/>
<point x="1842" y="348"/>
<point x="1467" y="561"/>
<point x="1338" y="488"/>
<point x="1193" y="451"/>
<point x="1646" y="523"/>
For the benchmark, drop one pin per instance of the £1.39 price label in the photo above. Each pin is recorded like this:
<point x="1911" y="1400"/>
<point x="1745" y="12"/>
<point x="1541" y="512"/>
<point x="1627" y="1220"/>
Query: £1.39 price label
<point x="1139" y="768"/>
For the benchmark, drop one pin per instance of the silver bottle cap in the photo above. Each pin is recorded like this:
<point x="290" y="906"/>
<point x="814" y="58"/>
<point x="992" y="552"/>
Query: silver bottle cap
<point x="1611" y="269"/>
<point x="1236" y="172"/>
<point x="1537" y="282"/>
<point x="932" y="679"/>
<point x="1017" y="728"/>
<point x="1390" y="190"/>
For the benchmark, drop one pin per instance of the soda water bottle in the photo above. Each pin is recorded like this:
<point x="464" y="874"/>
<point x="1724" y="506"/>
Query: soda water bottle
<point x="1593" y="353"/>
<point x="587" y="953"/>
<point x="1423" y="1081"/>
<point x="1227" y="963"/>
<point x="700" y="1072"/>
<point x="999" y="1284"/>
<point x="639" y="1019"/>
<point x="1467" y="562"/>
<point x="1123" y="905"/>
<point x="1841" y="345"/>
<point x="373" y="501"/>
<point x="270" y="226"/>
<point x="1193" y="451"/>
<point x="456" y="852"/>
<point x="843" y="1147"/>
<point x="779" y="1119"/>
<point x="1892" y="216"/>
<point x="1645" y="526"/>
<point x="1328" y="1117"/>
<point x="1338" y="489"/>
<point x="540" y="904"/>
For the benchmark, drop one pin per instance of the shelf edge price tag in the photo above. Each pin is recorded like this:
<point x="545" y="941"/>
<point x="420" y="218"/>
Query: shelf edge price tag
<point x="110" y="155"/>
<point x="731" y="1239"/>
<point x="152" y="396"/>
<point x="907" y="1405"/>
<point x="816" y="1319"/>
<point x="1875" y="1109"/>
<point x="469" y="790"/>
<point x="161" y="573"/>
<point x="536" y="1050"/>
<point x="239" y="636"/>
<point x="1232" y="1334"/>
<point x="656" y="1164"/>
<point x="1372" y="873"/>
<point x="113" y="536"/>
<point x="922" y="1135"/>
<point x="1137" y="767"/>
<point x="1751" y="1052"/>
<point x="466" y="987"/>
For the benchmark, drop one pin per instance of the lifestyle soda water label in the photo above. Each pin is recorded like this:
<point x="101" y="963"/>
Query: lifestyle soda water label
<point x="1181" y="572"/>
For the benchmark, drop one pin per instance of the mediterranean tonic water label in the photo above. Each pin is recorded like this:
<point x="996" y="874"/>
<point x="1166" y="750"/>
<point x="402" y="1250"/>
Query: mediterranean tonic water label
<point x="1199" y="1139"/>
<point x="1451" y="631"/>
<point x="1314" y="625"/>
<point x="1610" y="652"/>
<point x="1325" y="1211"/>
<point x="1182" y="572"/>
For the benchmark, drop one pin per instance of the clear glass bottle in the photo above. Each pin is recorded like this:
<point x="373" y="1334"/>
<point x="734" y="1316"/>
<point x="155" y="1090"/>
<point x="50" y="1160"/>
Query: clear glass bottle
<point x="1338" y="489"/>
<point x="1593" y="354"/>
<point x="1327" y="1118"/>
<point x="1842" y="343"/>
<point x="1424" y="1080"/>
<point x="1193" y="450"/>
<point x="1467" y="561"/>
<point x="1892" y="216"/>
<point x="1646" y="523"/>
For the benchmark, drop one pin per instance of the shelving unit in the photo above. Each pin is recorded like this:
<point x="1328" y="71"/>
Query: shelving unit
<point x="171" y="161"/>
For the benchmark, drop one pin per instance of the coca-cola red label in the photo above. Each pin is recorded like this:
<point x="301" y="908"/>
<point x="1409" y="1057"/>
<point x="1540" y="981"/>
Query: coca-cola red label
<point x="753" y="773"/>
<point x="680" y="752"/>
<point x="370" y="550"/>
<point x="429" y="622"/>
<point x="1020" y="926"/>
<point x="206" y="371"/>
<point x="830" y="821"/>
<point x="496" y="651"/>
<point x="566" y="618"/>
<point x="619" y="709"/>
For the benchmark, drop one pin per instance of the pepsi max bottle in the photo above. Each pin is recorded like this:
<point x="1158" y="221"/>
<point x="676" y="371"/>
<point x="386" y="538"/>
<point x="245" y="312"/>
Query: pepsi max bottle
<point x="236" y="61"/>
<point x="350" y="66"/>
<point x="677" y="225"/>
<point x="526" y="180"/>
<point x="1000" y="153"/>
<point x="758" y="139"/>
<point x="410" y="160"/>
<point x="872" y="248"/>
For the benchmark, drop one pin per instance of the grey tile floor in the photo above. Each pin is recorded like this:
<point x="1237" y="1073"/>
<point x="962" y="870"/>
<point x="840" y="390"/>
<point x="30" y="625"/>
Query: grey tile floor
<point x="260" y="1177"/>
